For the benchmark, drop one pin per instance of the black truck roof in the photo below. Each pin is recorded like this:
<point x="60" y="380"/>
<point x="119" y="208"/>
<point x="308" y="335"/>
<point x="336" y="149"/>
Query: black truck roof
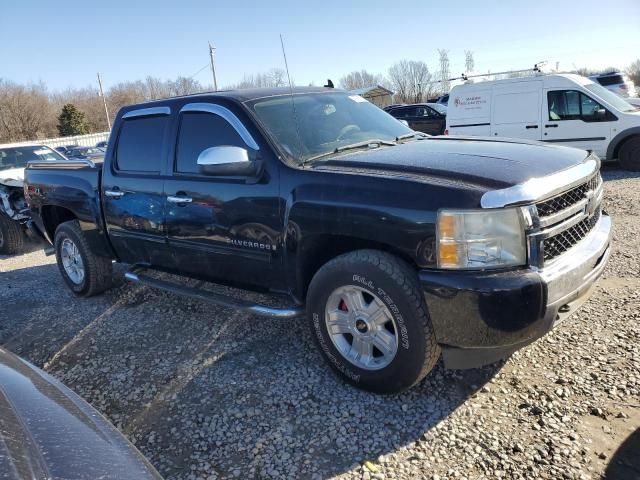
<point x="243" y="95"/>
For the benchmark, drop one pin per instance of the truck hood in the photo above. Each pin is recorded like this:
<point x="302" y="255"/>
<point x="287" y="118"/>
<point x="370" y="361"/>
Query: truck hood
<point x="13" y="177"/>
<point x="485" y="162"/>
<point x="47" y="431"/>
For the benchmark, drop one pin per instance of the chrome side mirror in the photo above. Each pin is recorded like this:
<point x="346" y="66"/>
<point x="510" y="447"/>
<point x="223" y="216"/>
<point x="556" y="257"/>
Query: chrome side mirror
<point x="227" y="160"/>
<point x="404" y="122"/>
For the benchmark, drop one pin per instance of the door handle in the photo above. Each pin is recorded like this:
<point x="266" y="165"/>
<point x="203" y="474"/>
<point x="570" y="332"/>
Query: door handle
<point x="551" y="125"/>
<point x="531" y="126"/>
<point x="179" y="199"/>
<point x="115" y="193"/>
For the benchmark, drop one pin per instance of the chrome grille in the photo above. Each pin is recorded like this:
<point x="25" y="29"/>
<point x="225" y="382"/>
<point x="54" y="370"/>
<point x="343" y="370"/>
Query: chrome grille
<point x="558" y="244"/>
<point x="567" y="199"/>
<point x="567" y="218"/>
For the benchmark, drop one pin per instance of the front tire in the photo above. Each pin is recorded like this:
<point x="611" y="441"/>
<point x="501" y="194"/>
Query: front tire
<point x="629" y="154"/>
<point x="368" y="317"/>
<point x="85" y="273"/>
<point x="11" y="236"/>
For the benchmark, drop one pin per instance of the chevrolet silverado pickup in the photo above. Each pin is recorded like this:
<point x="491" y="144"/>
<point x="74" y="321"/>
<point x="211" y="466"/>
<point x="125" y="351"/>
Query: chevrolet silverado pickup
<point x="399" y="248"/>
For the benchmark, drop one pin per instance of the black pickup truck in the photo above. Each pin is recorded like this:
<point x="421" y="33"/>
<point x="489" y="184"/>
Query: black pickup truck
<point x="398" y="247"/>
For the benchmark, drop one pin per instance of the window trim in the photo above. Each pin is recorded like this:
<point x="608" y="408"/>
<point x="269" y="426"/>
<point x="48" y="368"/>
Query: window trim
<point x="607" y="118"/>
<point x="227" y="115"/>
<point x="143" y="112"/>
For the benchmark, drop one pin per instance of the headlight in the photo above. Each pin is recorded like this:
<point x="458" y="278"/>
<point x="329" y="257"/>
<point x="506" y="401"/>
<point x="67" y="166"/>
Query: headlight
<point x="477" y="239"/>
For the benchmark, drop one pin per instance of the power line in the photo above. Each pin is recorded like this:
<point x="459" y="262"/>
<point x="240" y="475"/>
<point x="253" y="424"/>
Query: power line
<point x="206" y="66"/>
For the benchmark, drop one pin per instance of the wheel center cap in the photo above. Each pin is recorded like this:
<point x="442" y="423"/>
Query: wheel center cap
<point x="362" y="326"/>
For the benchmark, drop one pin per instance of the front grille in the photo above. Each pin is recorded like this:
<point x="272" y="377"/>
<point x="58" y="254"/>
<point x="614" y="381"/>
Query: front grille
<point x="563" y="241"/>
<point x="567" y="199"/>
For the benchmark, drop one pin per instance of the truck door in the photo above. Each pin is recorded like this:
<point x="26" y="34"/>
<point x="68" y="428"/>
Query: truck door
<point x="133" y="198"/>
<point x="516" y="110"/>
<point x="222" y="227"/>
<point x="572" y="118"/>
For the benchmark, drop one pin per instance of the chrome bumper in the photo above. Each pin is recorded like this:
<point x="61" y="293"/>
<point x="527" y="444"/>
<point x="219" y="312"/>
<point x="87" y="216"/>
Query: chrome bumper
<point x="570" y="278"/>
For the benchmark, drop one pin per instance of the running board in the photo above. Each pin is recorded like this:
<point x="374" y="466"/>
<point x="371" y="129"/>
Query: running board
<point x="215" y="298"/>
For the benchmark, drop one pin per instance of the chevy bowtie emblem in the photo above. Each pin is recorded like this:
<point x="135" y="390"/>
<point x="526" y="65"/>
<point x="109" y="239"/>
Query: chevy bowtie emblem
<point x="590" y="208"/>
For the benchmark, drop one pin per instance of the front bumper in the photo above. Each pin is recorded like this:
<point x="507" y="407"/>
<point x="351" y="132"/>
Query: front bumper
<point x="481" y="317"/>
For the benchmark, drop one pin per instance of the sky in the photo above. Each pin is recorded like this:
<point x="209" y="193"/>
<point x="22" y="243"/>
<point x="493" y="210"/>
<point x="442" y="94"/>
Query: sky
<point x="64" y="43"/>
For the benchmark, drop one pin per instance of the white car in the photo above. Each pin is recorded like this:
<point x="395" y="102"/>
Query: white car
<point x="563" y="109"/>
<point x="13" y="207"/>
<point x="616" y="82"/>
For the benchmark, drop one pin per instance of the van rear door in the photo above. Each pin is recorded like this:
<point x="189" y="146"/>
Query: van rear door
<point x="516" y="110"/>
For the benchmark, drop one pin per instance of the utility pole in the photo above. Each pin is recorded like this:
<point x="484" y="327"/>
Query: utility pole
<point x="213" y="67"/>
<point x="104" y="101"/>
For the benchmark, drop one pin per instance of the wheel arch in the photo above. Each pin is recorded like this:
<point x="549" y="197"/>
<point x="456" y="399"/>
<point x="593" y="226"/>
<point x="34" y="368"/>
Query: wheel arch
<point x="53" y="216"/>
<point x="619" y="140"/>
<point x="315" y="251"/>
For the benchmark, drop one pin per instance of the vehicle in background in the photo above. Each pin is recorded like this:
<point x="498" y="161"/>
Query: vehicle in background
<point x="49" y="432"/>
<point x="635" y="101"/>
<point x="65" y="148"/>
<point x="443" y="99"/>
<point x="617" y="82"/>
<point x="562" y="109"/>
<point x="393" y="105"/>
<point x="14" y="212"/>
<point x="85" y="153"/>
<point x="427" y="118"/>
<point x="401" y="245"/>
<point x="102" y="145"/>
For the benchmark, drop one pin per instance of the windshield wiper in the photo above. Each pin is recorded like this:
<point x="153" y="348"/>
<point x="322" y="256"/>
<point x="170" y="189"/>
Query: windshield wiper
<point x="366" y="143"/>
<point x="420" y="135"/>
<point x="353" y="146"/>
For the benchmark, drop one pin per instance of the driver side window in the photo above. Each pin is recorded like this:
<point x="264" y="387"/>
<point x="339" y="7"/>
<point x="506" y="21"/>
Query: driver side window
<point x="199" y="131"/>
<point x="574" y="105"/>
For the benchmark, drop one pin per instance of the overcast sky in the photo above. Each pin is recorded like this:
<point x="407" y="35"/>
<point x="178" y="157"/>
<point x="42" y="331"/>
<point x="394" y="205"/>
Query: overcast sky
<point x="64" y="43"/>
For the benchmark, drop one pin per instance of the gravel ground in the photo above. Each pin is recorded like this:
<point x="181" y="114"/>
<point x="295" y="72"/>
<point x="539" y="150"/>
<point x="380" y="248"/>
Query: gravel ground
<point x="209" y="393"/>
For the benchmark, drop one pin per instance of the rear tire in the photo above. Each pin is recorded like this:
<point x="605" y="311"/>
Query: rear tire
<point x="368" y="317"/>
<point x="629" y="154"/>
<point x="11" y="236"/>
<point x="85" y="273"/>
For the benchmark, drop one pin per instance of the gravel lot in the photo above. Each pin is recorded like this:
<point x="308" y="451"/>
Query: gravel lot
<point x="206" y="392"/>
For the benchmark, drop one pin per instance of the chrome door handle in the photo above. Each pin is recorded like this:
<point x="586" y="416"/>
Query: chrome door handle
<point x="114" y="193"/>
<point x="173" y="199"/>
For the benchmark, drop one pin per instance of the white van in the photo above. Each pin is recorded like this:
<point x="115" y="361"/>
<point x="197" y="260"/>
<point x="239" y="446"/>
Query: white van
<point x="561" y="108"/>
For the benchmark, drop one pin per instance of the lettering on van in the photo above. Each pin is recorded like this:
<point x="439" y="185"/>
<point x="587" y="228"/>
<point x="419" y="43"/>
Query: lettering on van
<point x="469" y="101"/>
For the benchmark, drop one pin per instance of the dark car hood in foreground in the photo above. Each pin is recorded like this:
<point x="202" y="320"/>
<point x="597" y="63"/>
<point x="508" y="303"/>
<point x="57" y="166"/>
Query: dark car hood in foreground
<point x="48" y="432"/>
<point x="486" y="162"/>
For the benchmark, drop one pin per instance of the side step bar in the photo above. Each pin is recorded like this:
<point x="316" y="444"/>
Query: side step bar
<point x="216" y="298"/>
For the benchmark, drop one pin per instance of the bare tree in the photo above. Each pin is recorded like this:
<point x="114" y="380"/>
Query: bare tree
<point x="411" y="81"/>
<point x="276" y="77"/>
<point x="360" y="79"/>
<point x="25" y="112"/>
<point x="633" y="70"/>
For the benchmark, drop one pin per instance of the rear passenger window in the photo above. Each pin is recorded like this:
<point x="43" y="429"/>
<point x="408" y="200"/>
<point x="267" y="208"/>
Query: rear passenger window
<point x="140" y="144"/>
<point x="199" y="131"/>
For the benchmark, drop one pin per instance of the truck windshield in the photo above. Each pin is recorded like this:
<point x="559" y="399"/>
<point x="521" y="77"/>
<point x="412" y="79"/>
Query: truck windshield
<point x="611" y="98"/>
<point x="324" y="122"/>
<point x="17" y="157"/>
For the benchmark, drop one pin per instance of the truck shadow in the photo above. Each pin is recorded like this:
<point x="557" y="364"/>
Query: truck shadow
<point x="625" y="463"/>
<point x="204" y="390"/>
<point x="613" y="171"/>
